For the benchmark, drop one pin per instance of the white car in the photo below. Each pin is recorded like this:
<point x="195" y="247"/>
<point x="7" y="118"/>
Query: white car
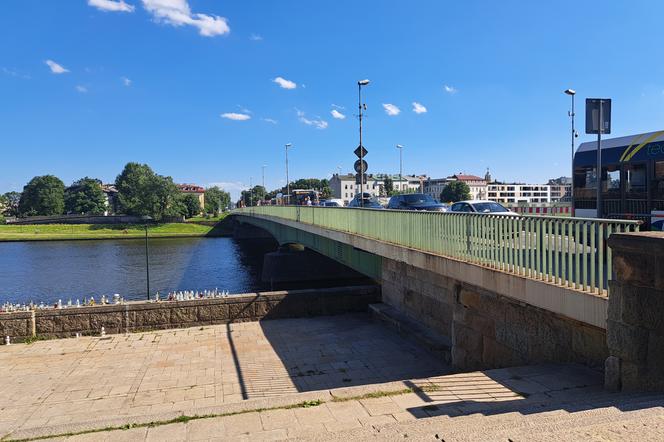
<point x="481" y="206"/>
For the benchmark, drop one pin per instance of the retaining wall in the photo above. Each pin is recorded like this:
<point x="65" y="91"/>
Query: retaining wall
<point x="144" y="316"/>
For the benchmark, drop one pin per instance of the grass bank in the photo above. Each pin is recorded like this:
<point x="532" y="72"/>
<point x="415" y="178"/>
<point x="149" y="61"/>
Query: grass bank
<point x="45" y="232"/>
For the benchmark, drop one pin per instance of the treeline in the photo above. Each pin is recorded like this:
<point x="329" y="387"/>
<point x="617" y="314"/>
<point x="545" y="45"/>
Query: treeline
<point x="140" y="192"/>
<point x="260" y="193"/>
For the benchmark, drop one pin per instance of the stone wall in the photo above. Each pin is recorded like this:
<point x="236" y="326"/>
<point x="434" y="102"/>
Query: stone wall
<point x="143" y="316"/>
<point x="635" y="328"/>
<point x="489" y="330"/>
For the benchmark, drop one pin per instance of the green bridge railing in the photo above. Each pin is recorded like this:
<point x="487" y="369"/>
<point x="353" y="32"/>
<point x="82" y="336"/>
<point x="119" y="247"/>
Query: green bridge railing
<point x="570" y="252"/>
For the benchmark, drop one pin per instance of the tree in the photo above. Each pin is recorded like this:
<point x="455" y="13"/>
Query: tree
<point x="455" y="191"/>
<point x="9" y="203"/>
<point x="192" y="205"/>
<point x="85" y="196"/>
<point x="216" y="200"/>
<point x="43" y="195"/>
<point x="142" y="192"/>
<point x="388" y="186"/>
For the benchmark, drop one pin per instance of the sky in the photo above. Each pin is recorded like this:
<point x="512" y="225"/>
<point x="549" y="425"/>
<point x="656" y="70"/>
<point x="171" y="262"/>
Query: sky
<point x="209" y="91"/>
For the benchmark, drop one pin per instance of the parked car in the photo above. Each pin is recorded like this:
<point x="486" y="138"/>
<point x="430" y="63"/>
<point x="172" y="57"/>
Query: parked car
<point x="481" y="206"/>
<point x="367" y="202"/>
<point x="332" y="202"/>
<point x="415" y="201"/>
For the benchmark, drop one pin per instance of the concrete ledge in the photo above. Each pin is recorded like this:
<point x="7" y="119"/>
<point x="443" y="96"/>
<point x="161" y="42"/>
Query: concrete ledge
<point x="580" y="306"/>
<point x="144" y="316"/>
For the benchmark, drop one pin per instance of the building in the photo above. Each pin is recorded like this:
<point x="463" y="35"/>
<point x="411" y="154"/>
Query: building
<point x="344" y="187"/>
<point x="111" y="196"/>
<point x="558" y="190"/>
<point x="194" y="189"/>
<point x="434" y="186"/>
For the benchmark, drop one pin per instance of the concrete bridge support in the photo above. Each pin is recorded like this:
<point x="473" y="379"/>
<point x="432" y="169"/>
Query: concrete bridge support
<point x="635" y="328"/>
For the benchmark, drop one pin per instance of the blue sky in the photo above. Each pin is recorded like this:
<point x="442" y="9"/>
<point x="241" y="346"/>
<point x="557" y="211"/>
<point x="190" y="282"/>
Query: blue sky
<point x="149" y="81"/>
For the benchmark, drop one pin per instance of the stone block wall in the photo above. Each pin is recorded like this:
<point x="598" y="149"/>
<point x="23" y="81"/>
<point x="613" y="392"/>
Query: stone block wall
<point x="422" y="295"/>
<point x="635" y="328"/>
<point x="493" y="331"/>
<point x="144" y="316"/>
<point x="488" y="330"/>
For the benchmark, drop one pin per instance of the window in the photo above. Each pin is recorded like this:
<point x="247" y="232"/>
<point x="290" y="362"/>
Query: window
<point x="657" y="185"/>
<point x="611" y="181"/>
<point x="635" y="180"/>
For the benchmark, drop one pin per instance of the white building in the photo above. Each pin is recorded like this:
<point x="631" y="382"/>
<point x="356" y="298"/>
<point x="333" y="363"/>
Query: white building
<point x="527" y="193"/>
<point x="344" y="187"/>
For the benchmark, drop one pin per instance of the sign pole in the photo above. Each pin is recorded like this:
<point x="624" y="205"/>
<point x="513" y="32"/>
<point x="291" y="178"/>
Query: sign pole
<point x="599" y="159"/>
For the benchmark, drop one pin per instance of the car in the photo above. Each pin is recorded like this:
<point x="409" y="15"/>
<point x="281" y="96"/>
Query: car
<point x="415" y="201"/>
<point x="481" y="206"/>
<point x="368" y="202"/>
<point x="332" y="203"/>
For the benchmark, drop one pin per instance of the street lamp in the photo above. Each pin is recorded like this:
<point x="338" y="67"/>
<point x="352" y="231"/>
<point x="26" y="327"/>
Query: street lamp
<point x="263" y="167"/>
<point x="400" y="147"/>
<point x="251" y="191"/>
<point x="359" y="105"/>
<point x="287" y="181"/>
<point x="572" y="93"/>
<point x="147" y="219"/>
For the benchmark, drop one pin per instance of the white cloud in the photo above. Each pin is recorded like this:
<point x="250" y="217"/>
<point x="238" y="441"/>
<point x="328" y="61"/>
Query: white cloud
<point x="418" y="108"/>
<point x="235" y="188"/>
<point x="336" y="106"/>
<point x="178" y="13"/>
<point x="391" y="109"/>
<point x="318" y="123"/>
<point x="81" y="89"/>
<point x="338" y="115"/>
<point x="285" y="84"/>
<point x="15" y="73"/>
<point x="236" y="116"/>
<point x="56" y="68"/>
<point x="270" y="120"/>
<point x="111" y="5"/>
<point x="255" y="37"/>
<point x="450" y="89"/>
<point x="244" y="110"/>
<point x="126" y="81"/>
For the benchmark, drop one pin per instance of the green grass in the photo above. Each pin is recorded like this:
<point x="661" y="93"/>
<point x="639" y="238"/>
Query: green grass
<point x="98" y="231"/>
<point x="198" y="219"/>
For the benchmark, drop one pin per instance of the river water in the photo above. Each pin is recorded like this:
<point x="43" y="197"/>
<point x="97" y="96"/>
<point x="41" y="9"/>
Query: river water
<point x="45" y="271"/>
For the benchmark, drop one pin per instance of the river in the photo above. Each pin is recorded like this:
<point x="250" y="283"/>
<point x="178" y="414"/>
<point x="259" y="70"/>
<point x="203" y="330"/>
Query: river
<point x="45" y="271"/>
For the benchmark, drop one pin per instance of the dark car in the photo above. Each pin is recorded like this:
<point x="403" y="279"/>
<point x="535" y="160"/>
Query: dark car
<point x="415" y="201"/>
<point x="368" y="202"/>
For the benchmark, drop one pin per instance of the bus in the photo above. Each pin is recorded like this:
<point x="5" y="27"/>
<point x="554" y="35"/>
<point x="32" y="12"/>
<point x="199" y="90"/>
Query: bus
<point x="632" y="182"/>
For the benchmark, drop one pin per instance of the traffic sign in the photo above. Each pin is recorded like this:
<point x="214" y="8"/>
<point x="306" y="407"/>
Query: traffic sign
<point x="360" y="166"/>
<point x="360" y="152"/>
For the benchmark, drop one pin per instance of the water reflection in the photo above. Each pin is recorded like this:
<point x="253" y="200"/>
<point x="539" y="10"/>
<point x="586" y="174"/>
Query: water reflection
<point x="48" y="271"/>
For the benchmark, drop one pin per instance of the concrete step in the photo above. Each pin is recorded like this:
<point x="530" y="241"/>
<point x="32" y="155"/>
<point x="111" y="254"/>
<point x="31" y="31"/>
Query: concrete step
<point x="436" y="343"/>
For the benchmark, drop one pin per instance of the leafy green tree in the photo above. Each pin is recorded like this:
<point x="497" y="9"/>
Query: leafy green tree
<point x="388" y="185"/>
<point x="9" y="203"/>
<point x="216" y="200"/>
<point x="192" y="205"/>
<point x="85" y="196"/>
<point x="43" y="195"/>
<point x="142" y="192"/>
<point x="455" y="191"/>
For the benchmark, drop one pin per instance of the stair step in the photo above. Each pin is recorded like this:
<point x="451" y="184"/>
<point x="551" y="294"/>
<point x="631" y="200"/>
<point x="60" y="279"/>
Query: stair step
<point x="434" y="342"/>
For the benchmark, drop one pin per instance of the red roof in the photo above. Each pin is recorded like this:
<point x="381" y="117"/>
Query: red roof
<point x="190" y="188"/>
<point x="468" y="178"/>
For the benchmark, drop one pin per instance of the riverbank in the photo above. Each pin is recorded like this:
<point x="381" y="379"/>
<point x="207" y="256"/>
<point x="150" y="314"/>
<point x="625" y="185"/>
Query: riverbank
<point x="52" y="232"/>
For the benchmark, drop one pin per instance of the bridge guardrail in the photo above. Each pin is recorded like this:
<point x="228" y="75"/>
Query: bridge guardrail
<point x="570" y="252"/>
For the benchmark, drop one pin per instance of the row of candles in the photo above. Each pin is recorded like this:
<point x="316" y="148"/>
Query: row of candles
<point x="185" y="295"/>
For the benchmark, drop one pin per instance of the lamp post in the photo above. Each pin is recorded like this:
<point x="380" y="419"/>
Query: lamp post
<point x="400" y="147"/>
<point x="147" y="219"/>
<point x="263" y="167"/>
<point x="251" y="191"/>
<point x="359" y="105"/>
<point x="572" y="93"/>
<point x="287" y="181"/>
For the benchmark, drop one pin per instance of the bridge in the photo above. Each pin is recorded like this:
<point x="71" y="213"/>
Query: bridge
<point x="501" y="290"/>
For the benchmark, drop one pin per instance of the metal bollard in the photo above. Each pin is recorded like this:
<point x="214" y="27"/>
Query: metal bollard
<point x="8" y="340"/>
<point x="103" y="332"/>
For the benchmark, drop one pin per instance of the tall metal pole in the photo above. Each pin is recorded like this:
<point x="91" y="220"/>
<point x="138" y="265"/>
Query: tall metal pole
<point x="147" y="263"/>
<point x="359" y="105"/>
<point x="573" y="136"/>
<point x="251" y="191"/>
<point x="263" y="167"/>
<point x="400" y="147"/>
<point x="600" y="118"/>
<point x="287" y="180"/>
